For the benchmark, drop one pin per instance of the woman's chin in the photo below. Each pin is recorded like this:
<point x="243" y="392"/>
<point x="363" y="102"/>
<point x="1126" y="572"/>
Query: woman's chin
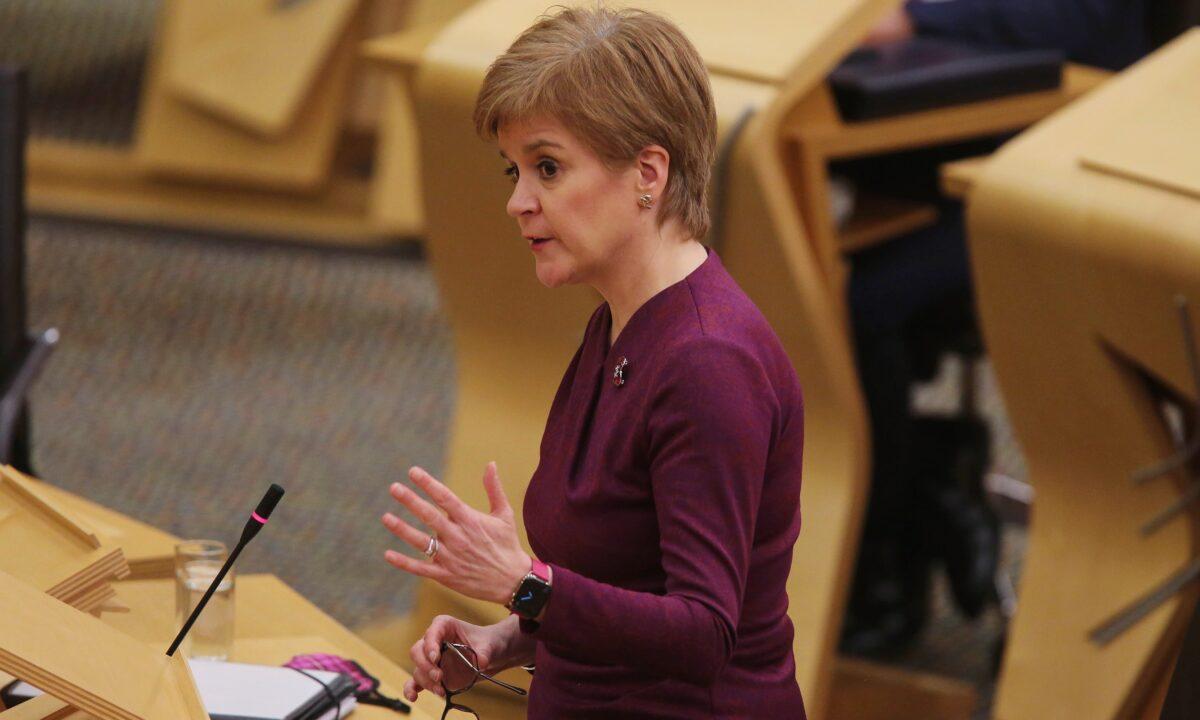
<point x="550" y="275"/>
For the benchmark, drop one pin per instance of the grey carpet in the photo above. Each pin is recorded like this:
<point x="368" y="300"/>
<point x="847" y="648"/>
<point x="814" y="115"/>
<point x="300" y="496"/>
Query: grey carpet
<point x="193" y="373"/>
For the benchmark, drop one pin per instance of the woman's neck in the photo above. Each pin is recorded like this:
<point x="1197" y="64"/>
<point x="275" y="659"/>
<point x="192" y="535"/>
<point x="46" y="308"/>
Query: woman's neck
<point x="662" y="263"/>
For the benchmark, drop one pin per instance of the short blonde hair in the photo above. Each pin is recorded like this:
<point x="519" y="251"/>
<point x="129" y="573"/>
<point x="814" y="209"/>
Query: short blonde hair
<point x="621" y="80"/>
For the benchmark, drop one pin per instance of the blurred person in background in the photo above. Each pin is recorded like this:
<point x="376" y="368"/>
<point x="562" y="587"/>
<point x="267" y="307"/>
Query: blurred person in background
<point x="911" y="300"/>
<point x="665" y="506"/>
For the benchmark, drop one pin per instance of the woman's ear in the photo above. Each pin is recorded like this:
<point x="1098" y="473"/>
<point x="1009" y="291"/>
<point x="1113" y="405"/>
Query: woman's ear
<point x="653" y="165"/>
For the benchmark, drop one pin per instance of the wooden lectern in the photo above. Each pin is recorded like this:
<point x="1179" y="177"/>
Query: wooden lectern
<point x="1085" y="232"/>
<point x="81" y="662"/>
<point x="44" y="545"/>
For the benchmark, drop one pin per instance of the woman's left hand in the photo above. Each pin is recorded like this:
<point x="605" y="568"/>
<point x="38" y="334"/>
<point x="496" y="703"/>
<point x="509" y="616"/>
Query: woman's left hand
<point x="478" y="554"/>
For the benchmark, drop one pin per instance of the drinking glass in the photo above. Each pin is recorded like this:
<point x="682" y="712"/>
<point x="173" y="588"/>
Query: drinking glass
<point x="197" y="563"/>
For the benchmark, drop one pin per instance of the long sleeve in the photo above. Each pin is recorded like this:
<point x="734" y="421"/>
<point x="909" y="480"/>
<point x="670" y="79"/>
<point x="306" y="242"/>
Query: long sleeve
<point x="1110" y="33"/>
<point x="709" y="426"/>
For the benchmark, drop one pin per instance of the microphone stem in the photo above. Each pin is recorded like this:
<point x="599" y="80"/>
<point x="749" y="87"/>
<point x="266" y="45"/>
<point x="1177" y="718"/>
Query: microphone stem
<point x="208" y="594"/>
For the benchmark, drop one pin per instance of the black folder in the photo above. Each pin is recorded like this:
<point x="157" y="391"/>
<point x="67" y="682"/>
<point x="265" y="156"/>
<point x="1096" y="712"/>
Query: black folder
<point x="924" y="73"/>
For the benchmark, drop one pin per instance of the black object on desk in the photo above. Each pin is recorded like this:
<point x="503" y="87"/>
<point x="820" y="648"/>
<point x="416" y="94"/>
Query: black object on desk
<point x="924" y="73"/>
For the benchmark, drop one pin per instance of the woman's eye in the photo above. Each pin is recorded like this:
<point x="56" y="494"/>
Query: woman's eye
<point x="548" y="169"/>
<point x="512" y="173"/>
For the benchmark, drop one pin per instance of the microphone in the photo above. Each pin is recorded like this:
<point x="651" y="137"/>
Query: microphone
<point x="258" y="518"/>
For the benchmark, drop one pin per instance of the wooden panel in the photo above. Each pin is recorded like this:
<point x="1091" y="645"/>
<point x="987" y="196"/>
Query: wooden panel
<point x="259" y="69"/>
<point x="1152" y="153"/>
<point x="175" y="138"/>
<point x="959" y="176"/>
<point x="771" y="41"/>
<point x="869" y="691"/>
<point x="80" y="660"/>
<point x="878" y="218"/>
<point x="43" y="707"/>
<point x="70" y="563"/>
<point x="73" y="180"/>
<point x="1076" y="277"/>
<point x="149" y="551"/>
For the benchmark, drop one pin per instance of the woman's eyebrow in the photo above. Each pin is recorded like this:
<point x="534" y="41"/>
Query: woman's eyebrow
<point x="538" y="144"/>
<point x="535" y="145"/>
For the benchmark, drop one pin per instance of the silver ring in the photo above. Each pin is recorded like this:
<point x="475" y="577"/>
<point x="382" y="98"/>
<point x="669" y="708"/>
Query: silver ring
<point x="431" y="550"/>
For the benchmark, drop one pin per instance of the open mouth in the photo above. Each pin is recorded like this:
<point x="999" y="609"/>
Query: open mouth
<point x="535" y="241"/>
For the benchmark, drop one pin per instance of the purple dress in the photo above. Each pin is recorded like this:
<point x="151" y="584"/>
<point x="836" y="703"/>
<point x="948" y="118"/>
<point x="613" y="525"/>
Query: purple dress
<point x="667" y="501"/>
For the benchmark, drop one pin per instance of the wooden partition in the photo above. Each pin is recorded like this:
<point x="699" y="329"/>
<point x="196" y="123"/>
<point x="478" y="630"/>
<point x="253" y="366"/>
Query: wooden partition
<point x="1084" y="232"/>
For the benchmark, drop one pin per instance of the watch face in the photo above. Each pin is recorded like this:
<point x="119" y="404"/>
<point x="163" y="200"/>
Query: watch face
<point x="531" y="597"/>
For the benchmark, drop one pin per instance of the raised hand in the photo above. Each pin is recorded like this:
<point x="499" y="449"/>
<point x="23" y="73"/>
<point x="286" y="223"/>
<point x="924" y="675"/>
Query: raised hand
<point x="475" y="553"/>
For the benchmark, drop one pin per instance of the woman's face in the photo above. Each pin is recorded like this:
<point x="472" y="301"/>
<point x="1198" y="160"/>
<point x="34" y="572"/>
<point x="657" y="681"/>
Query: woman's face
<point x="575" y="213"/>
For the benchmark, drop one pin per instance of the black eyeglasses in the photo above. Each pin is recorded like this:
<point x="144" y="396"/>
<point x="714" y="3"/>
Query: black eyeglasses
<point x="460" y="672"/>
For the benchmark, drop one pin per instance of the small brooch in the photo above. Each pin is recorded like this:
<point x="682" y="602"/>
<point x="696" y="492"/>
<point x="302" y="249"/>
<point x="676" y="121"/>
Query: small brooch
<point x="619" y="372"/>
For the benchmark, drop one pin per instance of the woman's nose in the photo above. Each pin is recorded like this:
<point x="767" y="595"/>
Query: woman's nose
<point x="521" y="202"/>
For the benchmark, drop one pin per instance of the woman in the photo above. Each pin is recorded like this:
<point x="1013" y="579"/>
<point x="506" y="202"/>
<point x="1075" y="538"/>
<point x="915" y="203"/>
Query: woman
<point x="666" y="503"/>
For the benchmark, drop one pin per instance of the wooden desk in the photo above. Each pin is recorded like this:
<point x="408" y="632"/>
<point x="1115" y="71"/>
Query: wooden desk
<point x="1082" y="235"/>
<point x="817" y="135"/>
<point x="272" y="622"/>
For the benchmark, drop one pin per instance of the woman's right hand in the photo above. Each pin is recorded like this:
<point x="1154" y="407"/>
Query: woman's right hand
<point x="497" y="647"/>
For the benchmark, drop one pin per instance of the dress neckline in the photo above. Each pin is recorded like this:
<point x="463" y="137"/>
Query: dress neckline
<point x="639" y="322"/>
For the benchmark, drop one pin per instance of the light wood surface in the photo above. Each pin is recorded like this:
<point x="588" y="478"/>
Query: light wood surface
<point x="269" y="616"/>
<point x="149" y="551"/>
<point x="42" y="707"/>
<point x="878" y="218"/>
<point x="1077" y="272"/>
<point x="868" y="691"/>
<point x="1153" y="154"/>
<point x="817" y="135"/>
<point x="175" y="138"/>
<point x="959" y="176"/>
<point x="80" y="660"/>
<point x="260" y="68"/>
<point x="397" y="196"/>
<point x="71" y="564"/>
<point x="97" y="182"/>
<point x="273" y="623"/>
<point x="838" y="139"/>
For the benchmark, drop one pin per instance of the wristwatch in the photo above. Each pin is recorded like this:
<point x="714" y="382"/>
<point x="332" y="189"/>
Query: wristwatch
<point x="533" y="593"/>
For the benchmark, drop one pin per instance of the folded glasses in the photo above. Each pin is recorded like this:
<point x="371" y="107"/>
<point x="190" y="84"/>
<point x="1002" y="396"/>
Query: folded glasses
<point x="460" y="671"/>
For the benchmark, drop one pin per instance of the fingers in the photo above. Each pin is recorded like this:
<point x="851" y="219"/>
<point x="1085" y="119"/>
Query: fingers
<point x="425" y="654"/>
<point x="443" y="496"/>
<point x="420" y="568"/>
<point x="495" y="490"/>
<point x="425" y="675"/>
<point x="409" y="534"/>
<point x="425" y="512"/>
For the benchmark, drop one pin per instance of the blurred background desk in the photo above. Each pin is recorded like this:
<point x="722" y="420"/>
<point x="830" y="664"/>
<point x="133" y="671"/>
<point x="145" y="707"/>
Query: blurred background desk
<point x="818" y="136"/>
<point x="1085" y="236"/>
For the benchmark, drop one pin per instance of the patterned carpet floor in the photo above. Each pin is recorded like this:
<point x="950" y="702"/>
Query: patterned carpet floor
<point x="192" y="373"/>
